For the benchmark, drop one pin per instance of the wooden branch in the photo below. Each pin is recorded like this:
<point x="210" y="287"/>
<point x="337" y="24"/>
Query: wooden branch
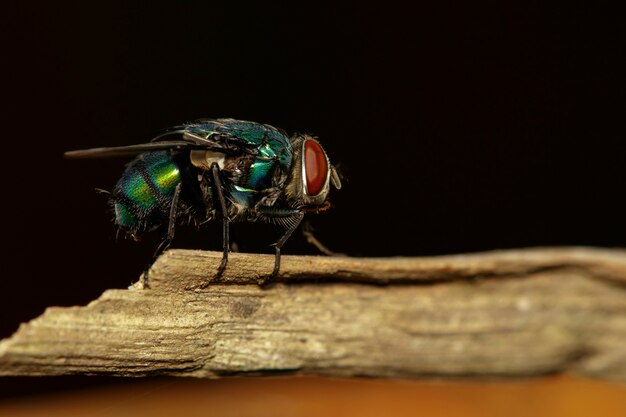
<point x="496" y="314"/>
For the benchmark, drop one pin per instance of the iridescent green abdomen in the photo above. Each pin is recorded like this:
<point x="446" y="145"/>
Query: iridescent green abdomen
<point x="143" y="196"/>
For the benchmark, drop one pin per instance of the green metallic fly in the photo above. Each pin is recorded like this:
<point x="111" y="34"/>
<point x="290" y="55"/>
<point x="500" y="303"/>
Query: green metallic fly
<point x="226" y="169"/>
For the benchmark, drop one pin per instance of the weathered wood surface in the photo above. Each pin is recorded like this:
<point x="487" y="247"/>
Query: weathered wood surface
<point x="497" y="314"/>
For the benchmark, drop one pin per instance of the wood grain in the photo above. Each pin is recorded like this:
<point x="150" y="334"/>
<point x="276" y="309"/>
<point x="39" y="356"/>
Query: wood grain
<point x="512" y="313"/>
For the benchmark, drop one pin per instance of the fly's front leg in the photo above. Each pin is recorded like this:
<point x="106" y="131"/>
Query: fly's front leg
<point x="169" y="235"/>
<point x="295" y="223"/>
<point x="307" y="231"/>
<point x="291" y="219"/>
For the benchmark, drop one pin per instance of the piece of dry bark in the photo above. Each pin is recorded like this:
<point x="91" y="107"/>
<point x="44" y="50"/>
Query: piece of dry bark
<point x="497" y="314"/>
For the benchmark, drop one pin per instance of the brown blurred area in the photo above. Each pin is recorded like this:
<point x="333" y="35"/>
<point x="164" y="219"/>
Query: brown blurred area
<point x="308" y="396"/>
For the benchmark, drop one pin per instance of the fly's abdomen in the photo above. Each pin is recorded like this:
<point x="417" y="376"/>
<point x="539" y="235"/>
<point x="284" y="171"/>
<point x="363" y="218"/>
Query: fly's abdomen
<point x="142" y="197"/>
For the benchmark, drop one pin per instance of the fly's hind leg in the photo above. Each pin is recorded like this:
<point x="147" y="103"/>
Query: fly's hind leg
<point x="169" y="235"/>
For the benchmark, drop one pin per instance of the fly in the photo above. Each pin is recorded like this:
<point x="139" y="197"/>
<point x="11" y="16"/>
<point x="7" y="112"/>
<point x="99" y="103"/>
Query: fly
<point x="220" y="169"/>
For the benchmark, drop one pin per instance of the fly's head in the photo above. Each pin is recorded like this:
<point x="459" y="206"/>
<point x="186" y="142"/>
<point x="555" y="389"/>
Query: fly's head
<point x="311" y="175"/>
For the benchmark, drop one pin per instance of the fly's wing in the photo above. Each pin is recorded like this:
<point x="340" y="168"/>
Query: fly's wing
<point x="228" y="136"/>
<point x="173" y="138"/>
<point x="242" y="132"/>
<point x="263" y="141"/>
<point x="129" y="150"/>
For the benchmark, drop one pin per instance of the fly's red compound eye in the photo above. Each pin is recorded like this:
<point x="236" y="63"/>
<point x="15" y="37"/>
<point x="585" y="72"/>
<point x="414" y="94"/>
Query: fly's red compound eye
<point x="316" y="167"/>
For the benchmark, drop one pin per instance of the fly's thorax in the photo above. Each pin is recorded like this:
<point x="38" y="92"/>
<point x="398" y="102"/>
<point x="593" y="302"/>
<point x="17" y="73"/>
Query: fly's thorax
<point x="243" y="170"/>
<point x="311" y="173"/>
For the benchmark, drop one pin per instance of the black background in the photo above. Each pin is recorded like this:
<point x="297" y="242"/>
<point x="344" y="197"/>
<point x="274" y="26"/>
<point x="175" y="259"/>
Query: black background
<point x="458" y="127"/>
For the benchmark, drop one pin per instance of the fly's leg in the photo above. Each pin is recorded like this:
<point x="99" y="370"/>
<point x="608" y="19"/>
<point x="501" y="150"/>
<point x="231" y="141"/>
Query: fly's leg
<point x="278" y="245"/>
<point x="307" y="231"/>
<point x="291" y="219"/>
<point x="169" y="235"/>
<point x="219" y="189"/>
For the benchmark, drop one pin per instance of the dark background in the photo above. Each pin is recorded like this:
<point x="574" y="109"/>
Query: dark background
<point x="458" y="127"/>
